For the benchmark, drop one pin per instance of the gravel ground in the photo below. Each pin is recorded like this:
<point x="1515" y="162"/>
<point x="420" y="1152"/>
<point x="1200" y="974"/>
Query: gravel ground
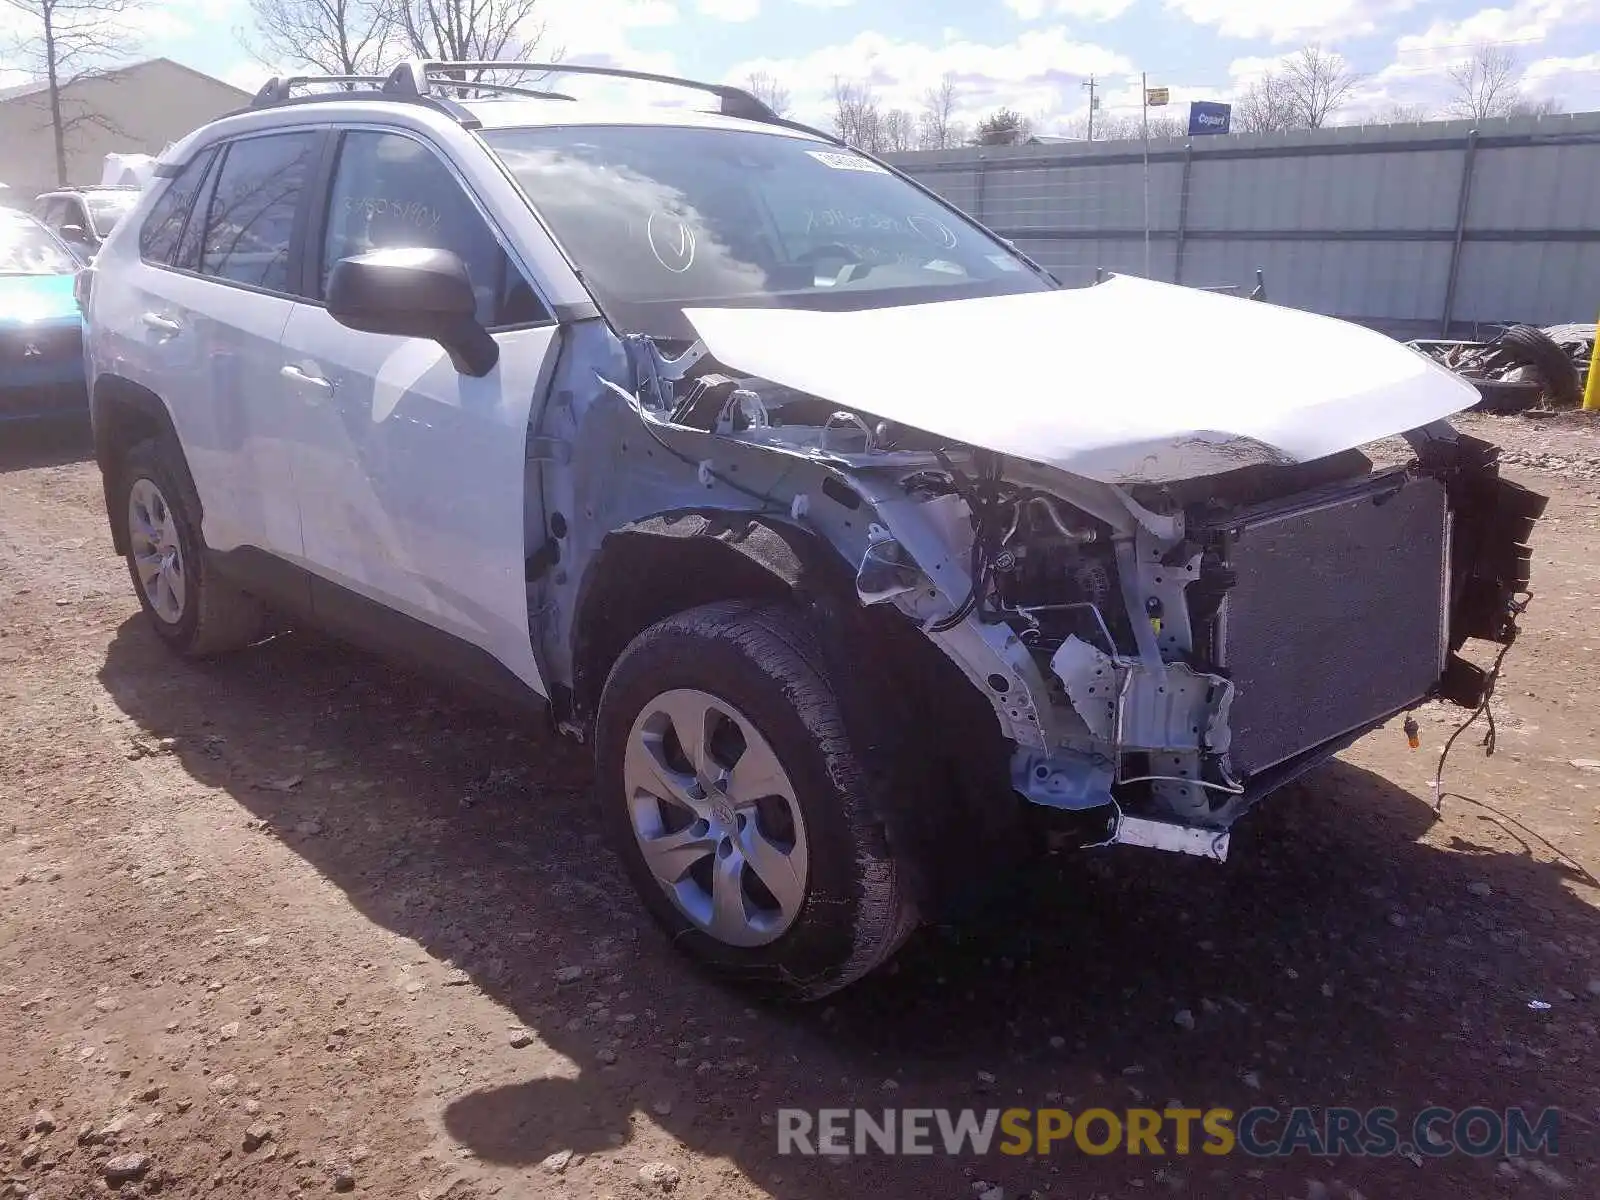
<point x="1565" y="444"/>
<point x="295" y="924"/>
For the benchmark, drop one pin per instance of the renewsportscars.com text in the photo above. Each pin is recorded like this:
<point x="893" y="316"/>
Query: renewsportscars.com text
<point x="1259" y="1132"/>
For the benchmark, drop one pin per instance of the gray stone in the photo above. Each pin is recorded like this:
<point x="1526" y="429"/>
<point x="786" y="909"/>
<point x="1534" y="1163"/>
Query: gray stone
<point x="125" y="1168"/>
<point x="660" y="1174"/>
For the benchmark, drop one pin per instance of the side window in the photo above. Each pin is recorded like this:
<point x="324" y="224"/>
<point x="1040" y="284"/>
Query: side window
<point x="250" y="220"/>
<point x="163" y="224"/>
<point x="187" y="255"/>
<point x="72" y="214"/>
<point x="392" y="191"/>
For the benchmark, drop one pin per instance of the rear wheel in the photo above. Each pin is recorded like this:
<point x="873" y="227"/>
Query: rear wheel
<point x="740" y="802"/>
<point x="190" y="609"/>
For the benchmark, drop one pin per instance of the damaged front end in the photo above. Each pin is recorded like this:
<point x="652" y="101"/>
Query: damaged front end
<point x="1162" y="654"/>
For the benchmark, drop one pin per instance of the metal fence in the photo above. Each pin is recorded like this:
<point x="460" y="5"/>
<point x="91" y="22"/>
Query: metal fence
<point x="1426" y="228"/>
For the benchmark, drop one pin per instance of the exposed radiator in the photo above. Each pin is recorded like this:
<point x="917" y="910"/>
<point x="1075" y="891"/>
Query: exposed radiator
<point x="1339" y="616"/>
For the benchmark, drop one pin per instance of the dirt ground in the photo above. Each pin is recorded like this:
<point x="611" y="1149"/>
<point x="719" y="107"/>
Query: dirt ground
<point x="296" y="923"/>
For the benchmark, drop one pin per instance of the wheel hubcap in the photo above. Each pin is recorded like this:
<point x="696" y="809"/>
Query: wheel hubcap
<point x="157" y="556"/>
<point x="715" y="816"/>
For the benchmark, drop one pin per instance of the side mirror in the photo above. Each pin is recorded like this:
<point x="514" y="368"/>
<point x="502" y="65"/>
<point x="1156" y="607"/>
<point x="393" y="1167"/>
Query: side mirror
<point x="74" y="234"/>
<point x="414" y="293"/>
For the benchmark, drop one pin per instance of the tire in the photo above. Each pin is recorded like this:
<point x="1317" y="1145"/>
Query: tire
<point x="1532" y="347"/>
<point x="194" y="613"/>
<point x="847" y="905"/>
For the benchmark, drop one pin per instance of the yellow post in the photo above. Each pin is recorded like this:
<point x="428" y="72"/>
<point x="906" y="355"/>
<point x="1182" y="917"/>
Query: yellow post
<point x="1591" y="390"/>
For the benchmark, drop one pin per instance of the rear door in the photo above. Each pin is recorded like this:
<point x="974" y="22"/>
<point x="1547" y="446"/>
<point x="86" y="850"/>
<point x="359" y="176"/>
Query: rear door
<point x="202" y="325"/>
<point x="415" y="482"/>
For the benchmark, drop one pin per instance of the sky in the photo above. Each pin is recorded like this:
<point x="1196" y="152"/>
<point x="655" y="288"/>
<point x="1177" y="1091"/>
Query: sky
<point x="1029" y="55"/>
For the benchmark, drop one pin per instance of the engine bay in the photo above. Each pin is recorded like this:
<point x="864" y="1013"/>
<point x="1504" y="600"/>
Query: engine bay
<point x="1173" y="650"/>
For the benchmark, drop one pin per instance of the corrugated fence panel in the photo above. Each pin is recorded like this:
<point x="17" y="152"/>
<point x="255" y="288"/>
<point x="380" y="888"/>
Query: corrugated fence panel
<point x="1541" y="283"/>
<point x="1355" y="222"/>
<point x="1536" y="187"/>
<point x="1346" y="192"/>
<point x="1075" y="262"/>
<point x="1371" y="280"/>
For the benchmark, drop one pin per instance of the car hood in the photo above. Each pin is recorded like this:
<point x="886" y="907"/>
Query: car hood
<point x="1127" y="381"/>
<point x="26" y="299"/>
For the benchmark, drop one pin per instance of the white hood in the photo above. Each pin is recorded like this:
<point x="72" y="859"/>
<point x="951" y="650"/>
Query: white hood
<point x="1126" y="381"/>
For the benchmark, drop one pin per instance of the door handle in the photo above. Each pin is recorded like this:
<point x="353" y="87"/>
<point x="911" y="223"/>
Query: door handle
<point x="311" y="383"/>
<point x="162" y="324"/>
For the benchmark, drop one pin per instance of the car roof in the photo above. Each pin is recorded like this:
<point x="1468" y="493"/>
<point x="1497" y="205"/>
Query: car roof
<point x="514" y="113"/>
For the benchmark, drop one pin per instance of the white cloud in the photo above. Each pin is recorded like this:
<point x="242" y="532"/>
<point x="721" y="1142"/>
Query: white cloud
<point x="826" y="3"/>
<point x="1527" y="21"/>
<point x="598" y="31"/>
<point x="250" y="75"/>
<point x="1573" y="81"/>
<point x="729" y="10"/>
<point x="1289" y="20"/>
<point x="1419" y="73"/>
<point x="1089" y="10"/>
<point x="1037" y="74"/>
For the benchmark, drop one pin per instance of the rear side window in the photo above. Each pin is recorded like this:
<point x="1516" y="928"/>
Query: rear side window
<point x="250" y="220"/>
<point x="163" y="224"/>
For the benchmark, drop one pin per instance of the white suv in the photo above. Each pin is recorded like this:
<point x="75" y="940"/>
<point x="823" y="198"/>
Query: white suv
<point x="847" y="536"/>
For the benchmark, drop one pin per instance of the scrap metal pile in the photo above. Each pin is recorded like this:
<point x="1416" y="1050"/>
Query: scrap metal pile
<point x="1523" y="368"/>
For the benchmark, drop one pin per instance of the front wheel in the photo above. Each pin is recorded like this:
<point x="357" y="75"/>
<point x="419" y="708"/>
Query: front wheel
<point x="741" y="805"/>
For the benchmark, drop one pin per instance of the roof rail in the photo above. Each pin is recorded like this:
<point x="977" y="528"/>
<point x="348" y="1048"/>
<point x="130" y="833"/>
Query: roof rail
<point x="420" y="77"/>
<point x="278" y="91"/>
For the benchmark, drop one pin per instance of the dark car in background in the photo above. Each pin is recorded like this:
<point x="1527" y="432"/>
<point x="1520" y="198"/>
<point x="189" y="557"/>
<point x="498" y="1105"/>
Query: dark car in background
<point x="84" y="217"/>
<point x="41" y="327"/>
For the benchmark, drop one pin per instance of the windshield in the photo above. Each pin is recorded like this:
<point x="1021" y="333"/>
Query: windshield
<point x="27" y="248"/>
<point x="659" y="218"/>
<point x="107" y="208"/>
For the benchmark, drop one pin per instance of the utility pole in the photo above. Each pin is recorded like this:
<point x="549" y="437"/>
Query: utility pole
<point x="1144" y="120"/>
<point x="1094" y="103"/>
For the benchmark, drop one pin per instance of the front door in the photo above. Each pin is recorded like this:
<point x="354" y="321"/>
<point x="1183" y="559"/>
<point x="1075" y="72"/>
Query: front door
<point x="414" y="483"/>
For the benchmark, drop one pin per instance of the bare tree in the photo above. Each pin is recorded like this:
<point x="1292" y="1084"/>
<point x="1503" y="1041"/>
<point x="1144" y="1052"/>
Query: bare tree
<point x="1402" y="114"/>
<point x="468" y="30"/>
<point x="1485" y="85"/>
<point x="1166" y="126"/>
<point x="69" y="42"/>
<point x="1108" y="127"/>
<point x="764" y="86"/>
<point x="856" y="117"/>
<point x="337" y="37"/>
<point x="1266" y="107"/>
<point x="937" y="127"/>
<point x="897" y="130"/>
<point x="1319" y="83"/>
<point x="1489" y="85"/>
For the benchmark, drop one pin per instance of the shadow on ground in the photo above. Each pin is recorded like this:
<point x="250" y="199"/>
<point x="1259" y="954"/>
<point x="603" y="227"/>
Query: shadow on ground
<point x="1337" y="960"/>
